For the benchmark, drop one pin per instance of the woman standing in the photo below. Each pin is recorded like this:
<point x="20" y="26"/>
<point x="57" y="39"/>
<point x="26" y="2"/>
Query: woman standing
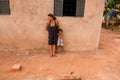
<point x="52" y="28"/>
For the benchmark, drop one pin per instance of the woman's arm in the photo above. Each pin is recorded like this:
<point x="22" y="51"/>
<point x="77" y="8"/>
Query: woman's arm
<point x="57" y="22"/>
<point x="47" y="24"/>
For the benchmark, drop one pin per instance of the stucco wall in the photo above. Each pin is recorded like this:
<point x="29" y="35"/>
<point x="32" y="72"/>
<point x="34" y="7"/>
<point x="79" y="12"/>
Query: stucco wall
<point x="25" y="27"/>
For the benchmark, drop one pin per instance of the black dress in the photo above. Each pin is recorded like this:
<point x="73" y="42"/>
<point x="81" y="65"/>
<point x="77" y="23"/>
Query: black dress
<point x="52" y="34"/>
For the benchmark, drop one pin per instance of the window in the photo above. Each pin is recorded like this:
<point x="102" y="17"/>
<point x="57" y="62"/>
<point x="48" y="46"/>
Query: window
<point x="4" y="7"/>
<point x="69" y="8"/>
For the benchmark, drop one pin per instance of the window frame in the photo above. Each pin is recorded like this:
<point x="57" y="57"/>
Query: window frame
<point x="83" y="10"/>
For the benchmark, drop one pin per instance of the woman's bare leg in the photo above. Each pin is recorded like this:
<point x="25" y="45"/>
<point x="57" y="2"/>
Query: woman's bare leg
<point x="51" y="50"/>
<point x="54" y="49"/>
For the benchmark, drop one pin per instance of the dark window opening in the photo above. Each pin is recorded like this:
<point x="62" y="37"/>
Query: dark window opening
<point x="69" y="7"/>
<point x="4" y="7"/>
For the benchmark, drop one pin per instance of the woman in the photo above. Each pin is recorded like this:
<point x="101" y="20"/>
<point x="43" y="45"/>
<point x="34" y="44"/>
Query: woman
<point x="52" y="28"/>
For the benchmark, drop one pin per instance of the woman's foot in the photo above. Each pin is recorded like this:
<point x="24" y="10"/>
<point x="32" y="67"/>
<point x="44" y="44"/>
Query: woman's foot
<point x="53" y="55"/>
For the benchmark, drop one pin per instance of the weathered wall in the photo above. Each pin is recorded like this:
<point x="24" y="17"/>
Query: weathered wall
<point x="25" y="27"/>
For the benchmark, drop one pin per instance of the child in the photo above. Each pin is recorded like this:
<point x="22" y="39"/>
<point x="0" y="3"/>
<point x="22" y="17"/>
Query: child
<point x="60" y="40"/>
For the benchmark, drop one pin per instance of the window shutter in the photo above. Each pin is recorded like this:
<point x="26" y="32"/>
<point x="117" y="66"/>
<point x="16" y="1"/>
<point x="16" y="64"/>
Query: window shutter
<point x="80" y="8"/>
<point x="58" y="7"/>
<point x="4" y="7"/>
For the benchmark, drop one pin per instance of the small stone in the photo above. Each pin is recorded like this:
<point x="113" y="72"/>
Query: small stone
<point x="16" y="68"/>
<point x="71" y="73"/>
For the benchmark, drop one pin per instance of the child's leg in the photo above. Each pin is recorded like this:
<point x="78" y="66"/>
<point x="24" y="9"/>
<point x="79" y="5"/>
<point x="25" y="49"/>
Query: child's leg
<point x="58" y="45"/>
<point x="56" y="50"/>
<point x="62" y="49"/>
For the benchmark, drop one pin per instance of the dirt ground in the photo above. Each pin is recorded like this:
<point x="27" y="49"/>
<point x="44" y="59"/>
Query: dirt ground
<point x="103" y="64"/>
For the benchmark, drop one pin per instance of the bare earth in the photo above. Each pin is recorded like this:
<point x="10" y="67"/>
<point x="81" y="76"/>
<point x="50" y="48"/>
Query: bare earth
<point x="38" y="65"/>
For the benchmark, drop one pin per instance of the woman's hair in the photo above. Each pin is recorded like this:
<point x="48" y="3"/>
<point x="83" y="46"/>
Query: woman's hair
<point x="51" y="15"/>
